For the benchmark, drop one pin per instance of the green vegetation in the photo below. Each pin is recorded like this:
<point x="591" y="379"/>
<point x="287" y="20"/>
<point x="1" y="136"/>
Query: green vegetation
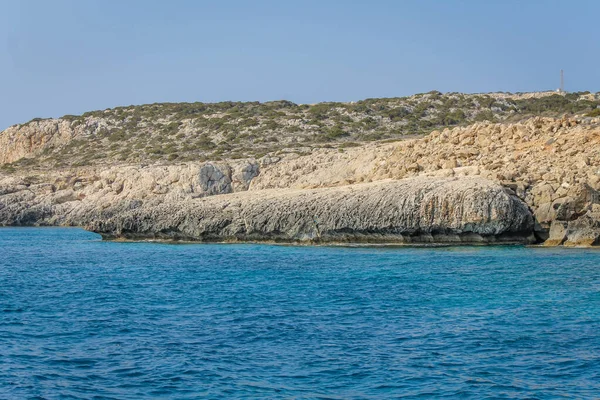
<point x="202" y="131"/>
<point x="594" y="113"/>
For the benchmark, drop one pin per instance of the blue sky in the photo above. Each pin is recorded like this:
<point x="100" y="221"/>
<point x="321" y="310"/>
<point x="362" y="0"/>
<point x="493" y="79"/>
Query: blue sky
<point x="70" y="56"/>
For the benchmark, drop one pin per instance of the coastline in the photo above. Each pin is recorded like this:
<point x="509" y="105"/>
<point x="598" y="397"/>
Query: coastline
<point x="446" y="188"/>
<point x="342" y="244"/>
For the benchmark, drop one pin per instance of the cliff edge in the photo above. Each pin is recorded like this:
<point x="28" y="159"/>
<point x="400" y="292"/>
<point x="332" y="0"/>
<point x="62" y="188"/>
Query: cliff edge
<point x="417" y="210"/>
<point x="534" y="180"/>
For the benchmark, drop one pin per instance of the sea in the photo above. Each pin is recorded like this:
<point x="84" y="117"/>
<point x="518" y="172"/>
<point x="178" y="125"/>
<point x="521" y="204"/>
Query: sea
<point x="81" y="318"/>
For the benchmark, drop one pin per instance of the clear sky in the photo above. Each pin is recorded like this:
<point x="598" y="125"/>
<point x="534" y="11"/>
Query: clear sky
<point x="69" y="56"/>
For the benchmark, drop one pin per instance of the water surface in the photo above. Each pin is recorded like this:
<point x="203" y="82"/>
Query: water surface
<point x="82" y="318"/>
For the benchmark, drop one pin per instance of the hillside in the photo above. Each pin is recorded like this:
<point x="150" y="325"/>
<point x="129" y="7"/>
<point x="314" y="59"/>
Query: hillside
<point x="179" y="132"/>
<point x="529" y="174"/>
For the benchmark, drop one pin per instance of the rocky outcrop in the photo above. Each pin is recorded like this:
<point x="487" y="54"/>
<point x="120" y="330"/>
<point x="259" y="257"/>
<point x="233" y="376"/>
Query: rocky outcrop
<point x="29" y="140"/>
<point x="552" y="165"/>
<point x="418" y="210"/>
<point x="574" y="219"/>
<point x="72" y="197"/>
<point x="540" y="157"/>
<point x="585" y="230"/>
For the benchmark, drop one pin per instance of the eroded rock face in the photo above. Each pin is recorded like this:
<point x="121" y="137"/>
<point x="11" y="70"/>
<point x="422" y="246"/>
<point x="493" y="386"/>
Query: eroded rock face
<point x="574" y="219"/>
<point x="181" y="203"/>
<point x="29" y="139"/>
<point x="585" y="230"/>
<point x="214" y="179"/>
<point x="72" y="197"/>
<point x="551" y="164"/>
<point x="430" y="210"/>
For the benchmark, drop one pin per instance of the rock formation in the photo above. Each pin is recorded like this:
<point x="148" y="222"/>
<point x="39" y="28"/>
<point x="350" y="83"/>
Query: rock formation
<point x="416" y="210"/>
<point x="72" y="197"/>
<point x="551" y="164"/>
<point x="485" y="182"/>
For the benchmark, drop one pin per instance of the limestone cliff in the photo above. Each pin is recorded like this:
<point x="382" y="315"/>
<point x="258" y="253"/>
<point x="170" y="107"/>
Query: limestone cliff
<point x="71" y="197"/>
<point x="546" y="168"/>
<point x="417" y="210"/>
<point x="551" y="164"/>
<point x="33" y="138"/>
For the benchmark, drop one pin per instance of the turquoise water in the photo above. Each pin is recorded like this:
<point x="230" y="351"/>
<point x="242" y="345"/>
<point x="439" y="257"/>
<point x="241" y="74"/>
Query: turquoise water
<point x="81" y="318"/>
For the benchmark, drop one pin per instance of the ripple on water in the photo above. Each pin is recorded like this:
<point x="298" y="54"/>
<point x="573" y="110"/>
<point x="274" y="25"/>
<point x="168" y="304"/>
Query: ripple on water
<point x="81" y="318"/>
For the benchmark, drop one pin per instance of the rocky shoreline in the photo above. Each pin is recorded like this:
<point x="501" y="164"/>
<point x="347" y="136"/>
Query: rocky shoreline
<point x="470" y="210"/>
<point x="533" y="182"/>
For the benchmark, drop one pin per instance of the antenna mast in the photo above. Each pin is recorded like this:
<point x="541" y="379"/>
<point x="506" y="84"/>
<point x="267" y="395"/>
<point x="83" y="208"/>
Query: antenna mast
<point x="562" y="81"/>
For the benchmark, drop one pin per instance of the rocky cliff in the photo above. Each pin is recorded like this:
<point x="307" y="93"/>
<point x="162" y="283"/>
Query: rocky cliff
<point x="537" y="179"/>
<point x="551" y="164"/>
<point x="417" y="210"/>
